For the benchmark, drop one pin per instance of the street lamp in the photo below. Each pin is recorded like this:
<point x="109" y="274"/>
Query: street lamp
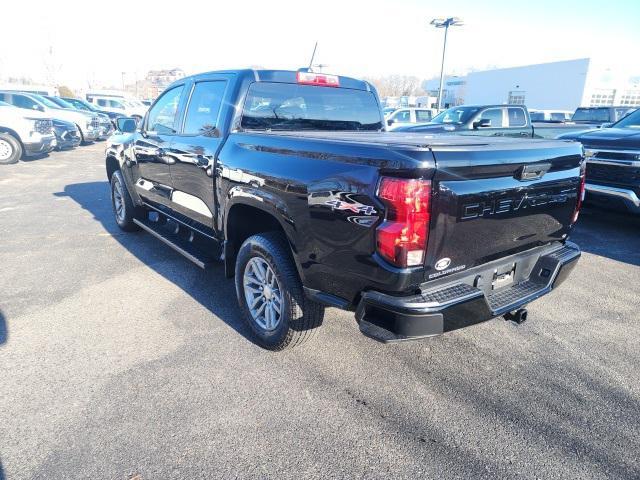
<point x="444" y="23"/>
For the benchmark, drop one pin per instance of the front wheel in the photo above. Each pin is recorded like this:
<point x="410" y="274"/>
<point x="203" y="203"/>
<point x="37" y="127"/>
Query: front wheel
<point x="270" y="293"/>
<point x="10" y="149"/>
<point x="124" y="210"/>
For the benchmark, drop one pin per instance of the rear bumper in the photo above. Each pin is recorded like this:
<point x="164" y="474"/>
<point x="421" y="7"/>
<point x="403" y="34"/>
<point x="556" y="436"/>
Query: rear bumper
<point x="459" y="304"/>
<point x="629" y="197"/>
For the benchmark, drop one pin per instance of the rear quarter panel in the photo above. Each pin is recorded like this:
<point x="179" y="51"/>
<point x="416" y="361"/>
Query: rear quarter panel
<point x="323" y="194"/>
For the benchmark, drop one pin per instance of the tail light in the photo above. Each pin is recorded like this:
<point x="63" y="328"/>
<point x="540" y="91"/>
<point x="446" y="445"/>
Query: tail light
<point x="309" y="78"/>
<point x="402" y="238"/>
<point x="583" y="179"/>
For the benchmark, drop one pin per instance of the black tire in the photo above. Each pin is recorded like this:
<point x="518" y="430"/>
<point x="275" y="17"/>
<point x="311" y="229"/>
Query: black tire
<point x="13" y="149"/>
<point x="83" y="142"/>
<point x="300" y="317"/>
<point x="124" y="219"/>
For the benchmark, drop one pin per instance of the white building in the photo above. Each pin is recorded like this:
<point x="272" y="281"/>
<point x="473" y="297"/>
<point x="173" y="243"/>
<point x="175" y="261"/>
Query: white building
<point x="562" y="85"/>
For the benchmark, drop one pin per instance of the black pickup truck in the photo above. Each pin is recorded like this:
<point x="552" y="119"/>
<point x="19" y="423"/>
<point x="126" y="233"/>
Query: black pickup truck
<point x="492" y="121"/>
<point x="290" y="179"/>
<point x="613" y="163"/>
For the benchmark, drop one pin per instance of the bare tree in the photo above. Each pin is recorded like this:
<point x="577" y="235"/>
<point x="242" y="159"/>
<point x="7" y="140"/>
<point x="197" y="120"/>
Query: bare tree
<point x="397" y="85"/>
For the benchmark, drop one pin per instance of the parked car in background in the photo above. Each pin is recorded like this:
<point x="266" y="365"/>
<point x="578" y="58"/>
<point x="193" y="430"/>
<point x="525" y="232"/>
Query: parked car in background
<point x="88" y="107"/>
<point x="67" y="134"/>
<point x="490" y="120"/>
<point x="555" y="116"/>
<point x="613" y="163"/>
<point x="23" y="133"/>
<point x="386" y="111"/>
<point x="599" y="116"/>
<point x="105" y="128"/>
<point x="290" y="179"/>
<point x="88" y="124"/>
<point x="408" y="116"/>
<point x="126" y="106"/>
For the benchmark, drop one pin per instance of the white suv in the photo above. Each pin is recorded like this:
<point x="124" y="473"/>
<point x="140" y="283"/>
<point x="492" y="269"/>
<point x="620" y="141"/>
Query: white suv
<point x="127" y="106"/>
<point x="87" y="123"/>
<point x="407" y="116"/>
<point x="23" y="133"/>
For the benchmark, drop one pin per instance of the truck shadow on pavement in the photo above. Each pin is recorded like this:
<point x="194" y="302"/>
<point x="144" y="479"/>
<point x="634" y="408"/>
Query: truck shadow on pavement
<point x="609" y="234"/>
<point x="199" y="284"/>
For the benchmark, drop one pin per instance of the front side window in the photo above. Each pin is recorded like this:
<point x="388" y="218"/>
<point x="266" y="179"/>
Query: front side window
<point x="116" y="104"/>
<point x="162" y="115"/>
<point x="286" y="106"/>
<point x="402" y="116"/>
<point x="203" y="109"/>
<point x="517" y="117"/>
<point x="102" y="102"/>
<point x="24" y="102"/>
<point x="493" y="114"/>
<point x="456" y="115"/>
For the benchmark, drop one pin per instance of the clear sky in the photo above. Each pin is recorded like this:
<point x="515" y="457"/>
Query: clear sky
<point x="95" y="41"/>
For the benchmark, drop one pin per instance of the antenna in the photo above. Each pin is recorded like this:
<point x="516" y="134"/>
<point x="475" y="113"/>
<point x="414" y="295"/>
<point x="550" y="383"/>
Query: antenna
<point x="313" y="55"/>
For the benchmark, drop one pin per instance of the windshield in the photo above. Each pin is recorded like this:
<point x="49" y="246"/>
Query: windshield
<point x="45" y="101"/>
<point x="591" y="115"/>
<point x="630" y="121"/>
<point x="79" y="104"/>
<point x="456" y="115"/>
<point x="60" y="102"/>
<point x="285" y="106"/>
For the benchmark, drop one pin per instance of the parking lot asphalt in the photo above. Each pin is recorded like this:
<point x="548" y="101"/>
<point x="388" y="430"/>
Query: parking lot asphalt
<point x="121" y="359"/>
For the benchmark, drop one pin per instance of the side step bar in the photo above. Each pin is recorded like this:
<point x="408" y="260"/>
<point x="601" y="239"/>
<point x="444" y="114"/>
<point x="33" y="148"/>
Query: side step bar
<point x="180" y="244"/>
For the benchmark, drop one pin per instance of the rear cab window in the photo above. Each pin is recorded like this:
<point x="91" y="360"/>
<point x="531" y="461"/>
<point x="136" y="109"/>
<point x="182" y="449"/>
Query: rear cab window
<point x="287" y="106"/>
<point x="517" y="117"/>
<point x="204" y="107"/>
<point x="423" y="116"/>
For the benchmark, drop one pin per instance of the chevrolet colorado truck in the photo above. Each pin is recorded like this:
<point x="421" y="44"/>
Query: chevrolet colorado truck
<point x="613" y="164"/>
<point x="290" y="179"/>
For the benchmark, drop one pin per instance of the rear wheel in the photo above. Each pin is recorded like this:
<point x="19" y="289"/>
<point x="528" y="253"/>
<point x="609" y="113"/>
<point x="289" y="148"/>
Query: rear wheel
<point x="270" y="294"/>
<point x="124" y="210"/>
<point x="10" y="149"/>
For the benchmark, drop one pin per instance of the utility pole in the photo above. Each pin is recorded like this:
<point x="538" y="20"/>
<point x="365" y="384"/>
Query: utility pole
<point x="444" y="23"/>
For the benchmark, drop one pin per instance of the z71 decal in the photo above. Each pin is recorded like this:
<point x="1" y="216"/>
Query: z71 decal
<point x="353" y="207"/>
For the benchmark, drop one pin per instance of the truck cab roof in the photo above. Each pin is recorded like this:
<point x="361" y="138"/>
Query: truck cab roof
<point x="278" y="76"/>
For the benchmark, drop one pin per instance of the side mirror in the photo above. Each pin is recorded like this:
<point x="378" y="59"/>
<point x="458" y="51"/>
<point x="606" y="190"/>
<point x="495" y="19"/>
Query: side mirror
<point x="390" y="121"/>
<point x="482" y="123"/>
<point x="126" y="124"/>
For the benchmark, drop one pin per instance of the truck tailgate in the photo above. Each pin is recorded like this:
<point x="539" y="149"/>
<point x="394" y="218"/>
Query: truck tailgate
<point x="499" y="199"/>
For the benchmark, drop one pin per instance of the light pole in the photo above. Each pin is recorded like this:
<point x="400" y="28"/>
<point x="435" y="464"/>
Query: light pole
<point x="444" y="23"/>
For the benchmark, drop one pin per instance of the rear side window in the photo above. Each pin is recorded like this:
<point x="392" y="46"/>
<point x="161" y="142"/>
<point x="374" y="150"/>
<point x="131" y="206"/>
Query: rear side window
<point x="287" y="106"/>
<point x="517" y="118"/>
<point x="162" y="116"/>
<point x="204" y="107"/>
<point x="423" y="116"/>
